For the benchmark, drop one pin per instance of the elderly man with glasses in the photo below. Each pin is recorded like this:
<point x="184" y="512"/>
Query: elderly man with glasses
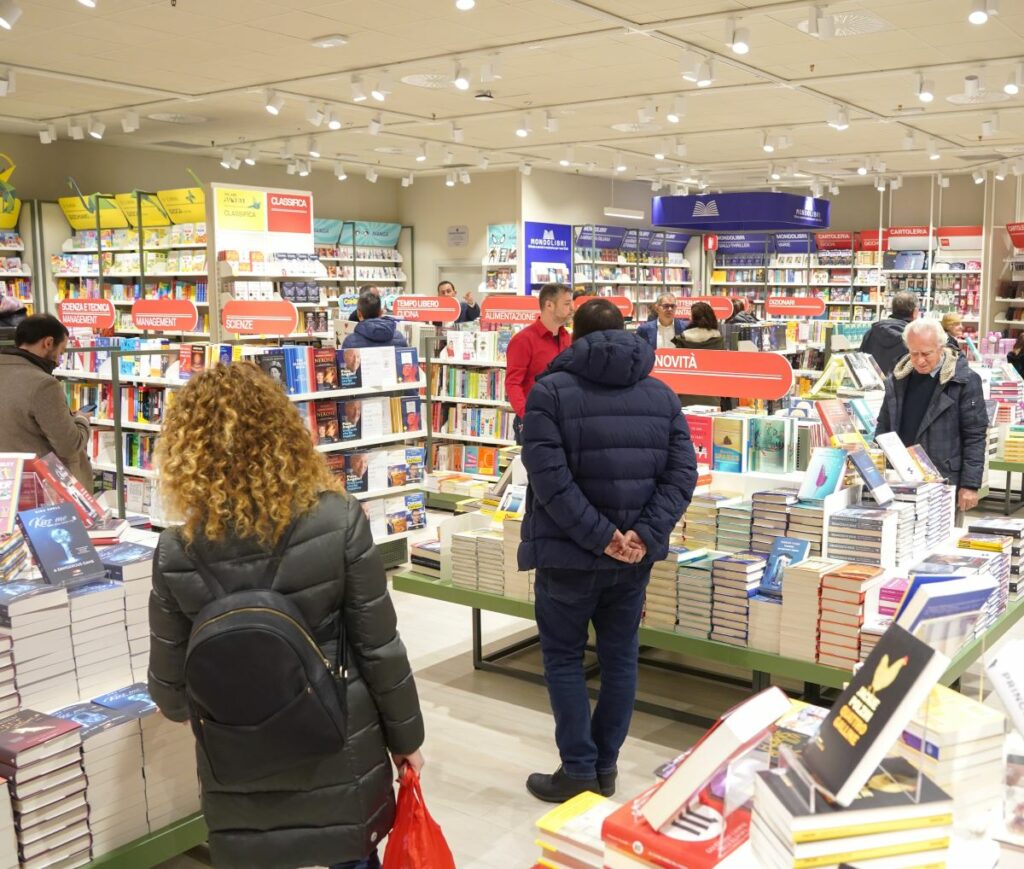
<point x="659" y="333"/>
<point x="932" y="398"/>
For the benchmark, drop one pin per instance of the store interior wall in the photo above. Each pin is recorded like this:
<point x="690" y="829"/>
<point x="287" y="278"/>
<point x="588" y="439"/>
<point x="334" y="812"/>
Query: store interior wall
<point x="558" y="197"/>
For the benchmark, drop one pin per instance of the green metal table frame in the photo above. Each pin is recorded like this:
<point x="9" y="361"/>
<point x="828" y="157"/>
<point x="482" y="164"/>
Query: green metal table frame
<point x="1010" y="468"/>
<point x="762" y="665"/>
<point x="158" y="847"/>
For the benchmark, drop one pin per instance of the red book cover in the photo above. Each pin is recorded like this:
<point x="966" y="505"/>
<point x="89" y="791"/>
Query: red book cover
<point x="64" y="486"/>
<point x="185" y="361"/>
<point x="26" y="730"/>
<point x="690" y="841"/>
<point x="701" y="435"/>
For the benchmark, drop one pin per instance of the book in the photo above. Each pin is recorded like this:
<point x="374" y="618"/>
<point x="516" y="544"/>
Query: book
<point x="838" y="424"/>
<point x="574" y="828"/>
<point x="11" y="465"/>
<point x="350" y="375"/>
<point x="948" y="718"/>
<point x="273" y="364"/>
<point x="28" y="736"/>
<point x="824" y="474"/>
<point x="872" y="477"/>
<point x="729" y="448"/>
<point x="785" y="551"/>
<point x="325" y="367"/>
<point x="871" y="712"/>
<point x="741" y="727"/>
<point x="924" y="463"/>
<point x="128" y="561"/>
<point x="900" y="460"/>
<point x="350" y="415"/>
<point x="60" y="545"/>
<point x="407" y="366"/>
<point x="411" y="419"/>
<point x="943" y="610"/>
<point x="327" y="428"/>
<point x="64" y="486"/>
<point x="701" y="436"/>
<point x="772" y="445"/>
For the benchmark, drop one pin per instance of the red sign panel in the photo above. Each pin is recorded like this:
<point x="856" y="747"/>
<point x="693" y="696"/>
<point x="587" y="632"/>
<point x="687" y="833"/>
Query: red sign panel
<point x="833" y="240"/>
<point x="624" y="305"/>
<point x="908" y="232"/>
<point x="794" y="306"/>
<point x="289" y="212"/>
<point x="97" y="314"/>
<point x="710" y="242"/>
<point x="724" y="373"/>
<point x="867" y="239"/>
<point x="259" y="318"/>
<point x="509" y="309"/>
<point x="1016" y="231"/>
<point x="427" y="309"/>
<point x="719" y="304"/>
<point x="165" y="315"/>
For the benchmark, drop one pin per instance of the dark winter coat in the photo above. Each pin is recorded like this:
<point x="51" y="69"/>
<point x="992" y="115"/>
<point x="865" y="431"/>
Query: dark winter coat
<point x="340" y="807"/>
<point x="1017" y="361"/>
<point x="700" y="339"/>
<point x="743" y="317"/>
<point x="606" y="448"/>
<point x="954" y="428"/>
<point x="375" y="332"/>
<point x="884" y="341"/>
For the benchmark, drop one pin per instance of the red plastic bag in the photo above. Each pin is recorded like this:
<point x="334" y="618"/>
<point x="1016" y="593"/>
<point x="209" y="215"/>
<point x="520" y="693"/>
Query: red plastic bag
<point x="416" y="841"/>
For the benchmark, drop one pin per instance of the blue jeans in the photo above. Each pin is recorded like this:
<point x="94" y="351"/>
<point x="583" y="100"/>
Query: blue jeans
<point x="371" y="862"/>
<point x="567" y="601"/>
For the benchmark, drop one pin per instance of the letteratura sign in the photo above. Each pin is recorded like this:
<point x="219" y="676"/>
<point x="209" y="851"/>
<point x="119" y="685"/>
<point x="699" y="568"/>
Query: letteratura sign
<point x="624" y="305"/>
<point x="259" y="318"/>
<point x="719" y="304"/>
<point x="725" y="212"/>
<point x="509" y="309"/>
<point x="794" y="306"/>
<point x="724" y="373"/>
<point x="165" y="315"/>
<point x="96" y="314"/>
<point x="427" y="309"/>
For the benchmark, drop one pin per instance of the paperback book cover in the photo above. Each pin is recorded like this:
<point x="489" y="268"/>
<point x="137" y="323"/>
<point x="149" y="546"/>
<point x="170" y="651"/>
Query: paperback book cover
<point x="350" y="375"/>
<point x="326" y="415"/>
<point x="65" y="486"/>
<point x="357" y="469"/>
<point x="411" y="419"/>
<point x="839" y="425"/>
<point x="785" y="551"/>
<point x="902" y="462"/>
<point x="871" y="712"/>
<point x="132" y="700"/>
<point x="325" y="365"/>
<point x="127" y="561"/>
<point x="871" y="476"/>
<point x="23" y="734"/>
<point x="272" y="362"/>
<point x="943" y="610"/>
<point x="729" y="449"/>
<point x="407" y="364"/>
<point x="60" y="545"/>
<point x="350" y="416"/>
<point x="771" y="445"/>
<point x="823" y="474"/>
<point x="927" y="467"/>
<point x="701" y="436"/>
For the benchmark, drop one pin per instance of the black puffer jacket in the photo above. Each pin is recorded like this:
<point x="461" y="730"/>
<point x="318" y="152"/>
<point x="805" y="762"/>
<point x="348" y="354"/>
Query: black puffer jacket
<point x="884" y="341"/>
<point x="339" y="808"/>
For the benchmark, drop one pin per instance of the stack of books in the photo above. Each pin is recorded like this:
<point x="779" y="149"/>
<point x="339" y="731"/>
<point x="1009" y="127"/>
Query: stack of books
<point x="871" y="632"/>
<point x="849" y="594"/>
<point x="734" y="527"/>
<point x="168" y="765"/>
<point x="1004" y="526"/>
<point x="911" y="535"/>
<point x="132" y="565"/>
<point x="662" y="597"/>
<point x="998" y="548"/>
<point x="863" y="534"/>
<point x="701" y="531"/>
<point x="425" y="557"/>
<point x="518" y="583"/>
<point x="569" y="836"/>
<point x="13" y="556"/>
<point x="112" y="757"/>
<point x="464" y="566"/>
<point x="9" y="701"/>
<point x="102" y="661"/>
<point x="807" y="522"/>
<point x="8" y="835"/>
<point x="959" y="563"/>
<point x="891" y="594"/>
<point x="1013" y="444"/>
<point x="884" y="821"/>
<point x="765" y="623"/>
<point x="695" y="597"/>
<point x="801" y="606"/>
<point x="957" y="743"/>
<point x="490" y="562"/>
<point x="933" y="505"/>
<point x="770" y="517"/>
<point x="41" y="758"/>
<point x="735" y="579"/>
<point x="37" y="620"/>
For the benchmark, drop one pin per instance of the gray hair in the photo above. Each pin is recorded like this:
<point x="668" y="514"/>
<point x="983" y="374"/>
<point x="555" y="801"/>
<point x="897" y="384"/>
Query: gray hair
<point x="925" y="327"/>
<point x="663" y="296"/>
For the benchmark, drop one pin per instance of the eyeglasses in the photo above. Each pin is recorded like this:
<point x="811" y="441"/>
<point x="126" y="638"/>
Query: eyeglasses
<point x="670" y="307"/>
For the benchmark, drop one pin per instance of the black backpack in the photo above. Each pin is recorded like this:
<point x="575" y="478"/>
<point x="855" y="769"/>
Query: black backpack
<point x="262" y="696"/>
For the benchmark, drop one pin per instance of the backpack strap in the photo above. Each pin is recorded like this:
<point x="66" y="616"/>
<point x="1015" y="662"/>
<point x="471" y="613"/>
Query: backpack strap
<point x="213" y="584"/>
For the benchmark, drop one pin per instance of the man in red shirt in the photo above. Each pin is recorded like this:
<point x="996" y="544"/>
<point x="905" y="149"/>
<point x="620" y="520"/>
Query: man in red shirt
<point x="531" y="350"/>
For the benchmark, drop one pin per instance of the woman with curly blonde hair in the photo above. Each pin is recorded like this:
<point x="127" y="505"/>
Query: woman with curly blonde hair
<point x="258" y="501"/>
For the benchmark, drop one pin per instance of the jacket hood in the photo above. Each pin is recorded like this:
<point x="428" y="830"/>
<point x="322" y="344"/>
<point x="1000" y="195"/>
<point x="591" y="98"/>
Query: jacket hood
<point x="954" y="367"/>
<point x="888" y="333"/>
<point x="701" y="336"/>
<point x="379" y="330"/>
<point x="611" y="358"/>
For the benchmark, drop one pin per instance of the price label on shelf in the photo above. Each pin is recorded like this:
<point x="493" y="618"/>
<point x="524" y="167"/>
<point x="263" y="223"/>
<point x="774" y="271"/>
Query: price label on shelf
<point x="724" y="373"/>
<point x="719" y="304"/>
<point x="624" y="305"/>
<point x="96" y="314"/>
<point x="794" y="306"/>
<point x="259" y="318"/>
<point x="509" y="309"/>
<point x="165" y="315"/>
<point x="427" y="309"/>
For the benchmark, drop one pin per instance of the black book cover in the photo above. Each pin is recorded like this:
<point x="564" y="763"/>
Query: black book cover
<point x="61" y="545"/>
<point x="272" y="362"/>
<point x="116" y="558"/>
<point x="350" y="375"/>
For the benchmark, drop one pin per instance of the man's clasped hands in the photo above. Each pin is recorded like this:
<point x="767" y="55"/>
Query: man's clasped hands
<point x="627" y="547"/>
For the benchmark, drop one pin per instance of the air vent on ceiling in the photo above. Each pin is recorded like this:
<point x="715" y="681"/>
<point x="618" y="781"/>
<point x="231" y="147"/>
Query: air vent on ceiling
<point x="637" y="128"/>
<point x="854" y="23"/>
<point x="433" y="80"/>
<point x="181" y="146"/>
<point x="982" y="98"/>
<point x="177" y="118"/>
<point x="979" y="158"/>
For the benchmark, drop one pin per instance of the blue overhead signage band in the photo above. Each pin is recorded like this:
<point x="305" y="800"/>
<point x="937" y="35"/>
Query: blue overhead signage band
<point x="795" y="242"/>
<point x="725" y="212"/>
<point x="602" y="237"/>
<point x="744" y="242"/>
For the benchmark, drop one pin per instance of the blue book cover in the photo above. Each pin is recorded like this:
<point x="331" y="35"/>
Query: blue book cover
<point x="871" y="476"/>
<point x="862" y="415"/>
<point x="61" y="545"/>
<point x="785" y="551"/>
<point x="943" y="614"/>
<point x="824" y="474"/>
<point x="133" y="700"/>
<point x="94" y="719"/>
<point x="291" y="370"/>
<point x="127" y="560"/>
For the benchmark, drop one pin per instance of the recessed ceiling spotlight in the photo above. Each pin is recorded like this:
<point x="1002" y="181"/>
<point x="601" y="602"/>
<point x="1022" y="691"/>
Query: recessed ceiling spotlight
<point x="739" y="39"/>
<point x="48" y="134"/>
<point x="332" y="40"/>
<point x="381" y="90"/>
<point x="933" y="150"/>
<point x="371" y="176"/>
<point x="358" y="91"/>
<point x="464" y="5"/>
<point x="314" y="114"/>
<point x="10" y="12"/>
<point x="313" y="149"/>
<point x="678" y="111"/>
<point x="339" y="172"/>
<point x="523" y="130"/>
<point x="375" y="126"/>
<point x="449" y="179"/>
<point x="460" y="78"/>
<point x="273" y="102"/>
<point x="96" y="128"/>
<point x="925" y="89"/>
<point x="333" y="121"/>
<point x="978" y="176"/>
<point x="840" y="119"/>
<point x="566" y="157"/>
<point x="705" y="74"/>
<point x="130" y="122"/>
<point x="1013" y="83"/>
<point x="421" y="155"/>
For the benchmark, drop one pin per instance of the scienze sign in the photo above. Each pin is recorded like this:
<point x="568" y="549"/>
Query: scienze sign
<point x="509" y="309"/>
<point x="726" y="373"/>
<point x="719" y="304"/>
<point x="165" y="315"/>
<point x="428" y="309"/>
<point x="794" y="306"/>
<point x="259" y="318"/>
<point x="95" y="314"/>
<point x="624" y="305"/>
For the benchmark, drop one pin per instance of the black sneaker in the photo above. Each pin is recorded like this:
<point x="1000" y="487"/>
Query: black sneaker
<point x="558" y="787"/>
<point x="606" y="781"/>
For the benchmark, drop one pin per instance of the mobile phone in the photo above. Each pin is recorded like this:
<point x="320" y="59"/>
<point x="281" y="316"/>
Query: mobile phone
<point x="87" y="409"/>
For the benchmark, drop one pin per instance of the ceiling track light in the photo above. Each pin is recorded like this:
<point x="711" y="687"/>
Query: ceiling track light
<point x="834" y="189"/>
<point x="645" y="114"/>
<point x="1013" y="83"/>
<point x="449" y="179"/>
<point x="314" y="114"/>
<point x="1017" y="168"/>
<point x="290" y="169"/>
<point x="680" y="148"/>
<point x="75" y="130"/>
<point x="485" y="161"/>
<point x="656" y="185"/>
<point x="982" y="10"/>
<point x="705" y="73"/>
<point x="375" y="126"/>
<point x="460" y="78"/>
<point x="448" y="157"/>
<point x="660" y="151"/>
<point x="407" y="180"/>
<point x="1001" y="172"/>
<point x="89" y="4"/>
<point x="925" y="89"/>
<point x="978" y="176"/>
<point x="371" y="175"/>
<point x="304" y="168"/>
<point x="358" y="90"/>
<point x="312" y="149"/>
<point x="525" y="168"/>
<point x="491" y="69"/>
<point x="333" y="121"/>
<point x="464" y="5"/>
<point x="990" y="127"/>
<point x="523" y="130"/>
<point x="933" y="150"/>
<point x="7" y="83"/>
<point x="48" y="134"/>
<point x="862" y="168"/>
<point x="618" y="165"/>
<point x="567" y="157"/>
<point x="464" y="177"/>
<point x="130" y="122"/>
<point x="767" y="143"/>
<point x="225" y="159"/>
<point x="457" y="134"/>
<point x="774" y="173"/>
<point x="10" y="12"/>
<point x="943" y="181"/>
<point x="550" y="123"/>
<point x="678" y="111"/>
<point x="880" y="184"/>
<point x="972" y="86"/>
<point x="909" y="141"/>
<point x="421" y="155"/>
<point x="739" y="38"/>
<point x="273" y="102"/>
<point x="381" y="90"/>
<point x="250" y="158"/>
<point x="339" y="172"/>
<point x="840" y="119"/>
<point x="96" y="128"/>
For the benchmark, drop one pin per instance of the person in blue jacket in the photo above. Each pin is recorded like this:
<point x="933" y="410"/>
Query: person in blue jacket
<point x="469" y="309"/>
<point x="660" y="331"/>
<point x="373" y="330"/>
<point x="611" y="469"/>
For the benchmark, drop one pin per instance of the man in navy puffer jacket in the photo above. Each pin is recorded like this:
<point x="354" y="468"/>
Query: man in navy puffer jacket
<point x="373" y="329"/>
<point x="611" y="469"/>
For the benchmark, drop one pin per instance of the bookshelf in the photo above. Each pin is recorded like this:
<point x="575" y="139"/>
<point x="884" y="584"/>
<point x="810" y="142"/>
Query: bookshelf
<point x="15" y="273"/>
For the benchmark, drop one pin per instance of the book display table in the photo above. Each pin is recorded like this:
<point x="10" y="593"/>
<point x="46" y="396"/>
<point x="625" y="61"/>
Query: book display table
<point x="762" y="665"/>
<point x="1009" y="468"/>
<point x="157" y="848"/>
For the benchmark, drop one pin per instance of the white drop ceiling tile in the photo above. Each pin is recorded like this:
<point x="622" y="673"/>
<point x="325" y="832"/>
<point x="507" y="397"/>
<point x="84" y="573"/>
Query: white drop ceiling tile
<point x="163" y="18"/>
<point x="990" y="37"/>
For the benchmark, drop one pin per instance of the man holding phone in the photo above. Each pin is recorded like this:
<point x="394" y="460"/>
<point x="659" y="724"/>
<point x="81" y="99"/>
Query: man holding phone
<point x="36" y="417"/>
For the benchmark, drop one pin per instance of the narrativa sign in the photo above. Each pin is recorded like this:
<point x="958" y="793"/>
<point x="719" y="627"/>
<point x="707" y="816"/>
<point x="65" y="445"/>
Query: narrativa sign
<point x="724" y="373"/>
